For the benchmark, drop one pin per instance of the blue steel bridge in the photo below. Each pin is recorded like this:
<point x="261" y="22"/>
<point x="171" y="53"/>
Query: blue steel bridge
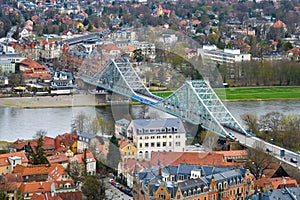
<point x="195" y="101"/>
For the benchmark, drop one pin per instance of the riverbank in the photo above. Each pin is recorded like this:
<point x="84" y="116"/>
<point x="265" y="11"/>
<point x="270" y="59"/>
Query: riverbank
<point x="49" y="102"/>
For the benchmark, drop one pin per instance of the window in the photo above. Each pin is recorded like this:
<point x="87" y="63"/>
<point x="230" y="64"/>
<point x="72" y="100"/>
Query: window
<point x="164" y="136"/>
<point x="177" y="144"/>
<point x="170" y="136"/>
<point x="170" y="144"/>
<point x="158" y="144"/>
<point x="147" y="137"/>
<point x="141" y="138"/>
<point x="164" y="144"/>
<point x="181" y="177"/>
<point x="161" y="196"/>
<point x="152" y="137"/>
<point x="177" y="136"/>
<point x="146" y="155"/>
<point x="141" y="145"/>
<point x="158" y="137"/>
<point x="152" y="144"/>
<point x="146" y="144"/>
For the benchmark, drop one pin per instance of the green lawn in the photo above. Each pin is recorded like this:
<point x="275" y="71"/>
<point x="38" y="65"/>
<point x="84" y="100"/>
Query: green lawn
<point x="252" y="93"/>
<point x="263" y="93"/>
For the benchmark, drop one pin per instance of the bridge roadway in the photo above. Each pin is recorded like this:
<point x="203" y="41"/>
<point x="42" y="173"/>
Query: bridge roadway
<point x="252" y="141"/>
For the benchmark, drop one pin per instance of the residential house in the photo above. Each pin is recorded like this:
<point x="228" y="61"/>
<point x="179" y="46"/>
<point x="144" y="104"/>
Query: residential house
<point x="33" y="71"/>
<point x="234" y="156"/>
<point x="264" y="184"/>
<point x="59" y="159"/>
<point x="83" y="142"/>
<point x="127" y="150"/>
<point x="9" y="161"/>
<point x="111" y="50"/>
<point x="48" y="145"/>
<point x="148" y="49"/>
<point x="18" y="145"/>
<point x="31" y="189"/>
<point x="54" y="172"/>
<point x="7" y="66"/>
<point x="120" y="128"/>
<point x="151" y="135"/>
<point x="65" y="142"/>
<point x="90" y="161"/>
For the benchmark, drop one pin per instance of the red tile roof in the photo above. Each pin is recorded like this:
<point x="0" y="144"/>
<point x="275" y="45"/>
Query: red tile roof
<point x="233" y="153"/>
<point x="18" y="144"/>
<point x="5" y="161"/>
<point x="54" y="171"/>
<point x="192" y="158"/>
<point x="48" y="144"/>
<point x="279" y="24"/>
<point x="61" y="158"/>
<point x="71" y="195"/>
<point x="79" y="157"/>
<point x="46" y="196"/>
<point x="36" y="187"/>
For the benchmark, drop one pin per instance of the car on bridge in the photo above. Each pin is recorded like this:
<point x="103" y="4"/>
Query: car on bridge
<point x="293" y="160"/>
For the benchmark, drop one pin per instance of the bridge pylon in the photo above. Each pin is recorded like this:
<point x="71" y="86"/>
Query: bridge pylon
<point x="197" y="103"/>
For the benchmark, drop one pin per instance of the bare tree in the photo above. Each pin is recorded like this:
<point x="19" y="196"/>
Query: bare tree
<point x="258" y="160"/>
<point x="251" y="121"/>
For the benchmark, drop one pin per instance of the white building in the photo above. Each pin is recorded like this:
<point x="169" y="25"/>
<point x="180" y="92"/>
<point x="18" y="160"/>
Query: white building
<point x="157" y="135"/>
<point x="210" y="52"/>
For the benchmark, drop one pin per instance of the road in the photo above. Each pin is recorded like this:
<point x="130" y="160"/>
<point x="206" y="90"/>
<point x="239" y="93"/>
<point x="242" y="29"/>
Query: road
<point x="272" y="149"/>
<point x="112" y="193"/>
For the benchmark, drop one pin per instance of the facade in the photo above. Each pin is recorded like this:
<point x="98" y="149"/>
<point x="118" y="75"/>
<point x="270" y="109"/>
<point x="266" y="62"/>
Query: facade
<point x="83" y="142"/>
<point x="9" y="161"/>
<point x="7" y="66"/>
<point x="156" y="135"/>
<point x="13" y="57"/>
<point x="120" y="128"/>
<point x="230" y="184"/>
<point x="148" y="49"/>
<point x="224" y="56"/>
<point x="127" y="150"/>
<point x="90" y="162"/>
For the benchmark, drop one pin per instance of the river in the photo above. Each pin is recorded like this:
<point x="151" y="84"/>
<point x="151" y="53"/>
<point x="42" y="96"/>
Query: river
<point x="25" y="122"/>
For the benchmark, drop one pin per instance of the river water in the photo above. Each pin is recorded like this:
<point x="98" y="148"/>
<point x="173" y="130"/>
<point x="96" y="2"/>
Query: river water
<point x="25" y="122"/>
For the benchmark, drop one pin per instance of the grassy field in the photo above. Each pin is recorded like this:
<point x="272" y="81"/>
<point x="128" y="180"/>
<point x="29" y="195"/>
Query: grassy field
<point x="253" y="93"/>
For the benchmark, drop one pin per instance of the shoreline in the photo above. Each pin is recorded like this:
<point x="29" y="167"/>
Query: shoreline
<point x="81" y="100"/>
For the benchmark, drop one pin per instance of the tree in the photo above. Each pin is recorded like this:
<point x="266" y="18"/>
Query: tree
<point x="137" y="55"/>
<point x="91" y="188"/>
<point x="39" y="156"/>
<point x="258" y="160"/>
<point x="79" y="123"/>
<point x="271" y="123"/>
<point x="113" y="155"/>
<point x="251" y="121"/>
<point x="75" y="170"/>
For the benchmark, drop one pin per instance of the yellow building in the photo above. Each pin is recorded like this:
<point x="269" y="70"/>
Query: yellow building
<point x="127" y="150"/>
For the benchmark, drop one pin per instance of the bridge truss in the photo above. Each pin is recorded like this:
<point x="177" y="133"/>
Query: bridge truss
<point x="195" y="101"/>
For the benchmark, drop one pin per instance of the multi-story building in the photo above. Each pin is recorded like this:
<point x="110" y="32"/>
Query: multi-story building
<point x="83" y="142"/>
<point x="156" y="135"/>
<point x="225" y="184"/>
<point x="148" y="49"/>
<point x="212" y="57"/>
<point x="224" y="56"/>
<point x="7" y="66"/>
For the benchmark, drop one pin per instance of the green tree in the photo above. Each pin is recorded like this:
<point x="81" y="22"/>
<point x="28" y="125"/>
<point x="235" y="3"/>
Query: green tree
<point x="113" y="153"/>
<point x="39" y="156"/>
<point x="91" y="188"/>
<point x="137" y="55"/>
